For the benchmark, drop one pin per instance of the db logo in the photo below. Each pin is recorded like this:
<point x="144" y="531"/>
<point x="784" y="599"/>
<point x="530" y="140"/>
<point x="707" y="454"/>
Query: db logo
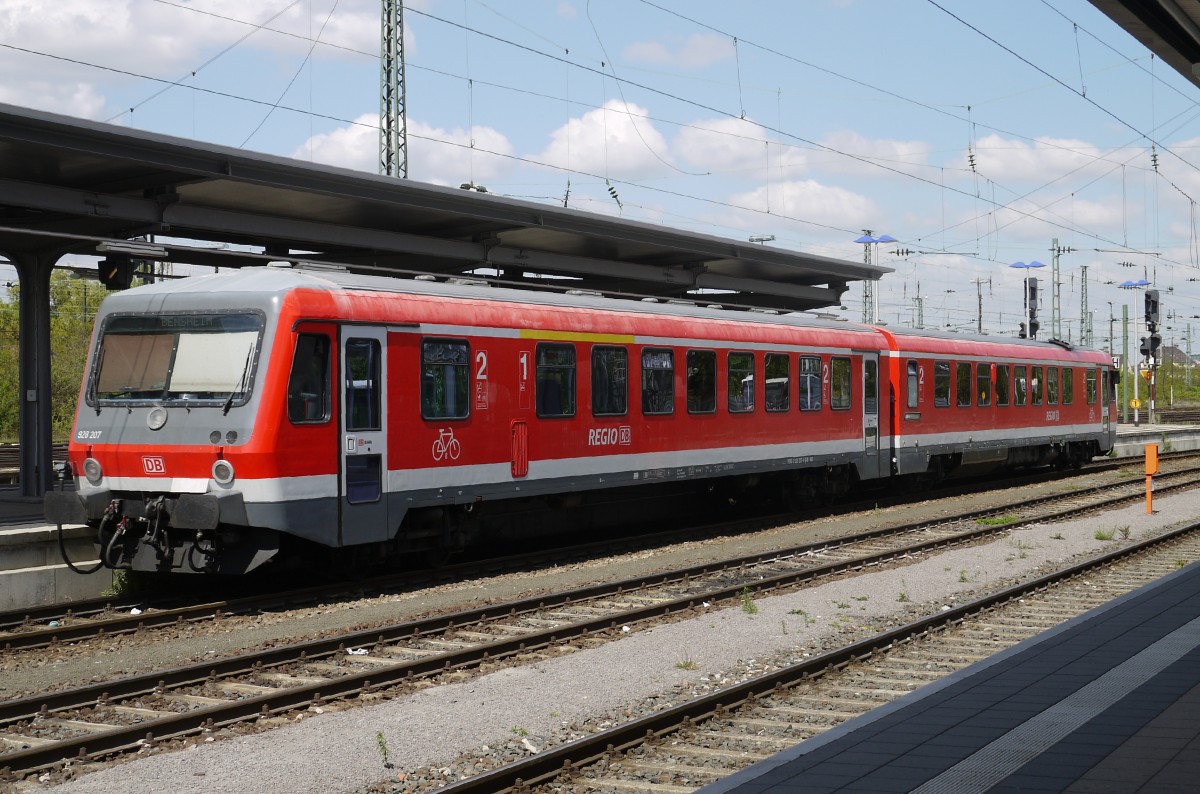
<point x="154" y="465"/>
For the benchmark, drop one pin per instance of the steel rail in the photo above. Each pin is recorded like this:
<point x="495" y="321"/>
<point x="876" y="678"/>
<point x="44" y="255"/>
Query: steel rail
<point x="150" y="618"/>
<point x="12" y="620"/>
<point x="129" y="737"/>
<point x="572" y="755"/>
<point x="126" y="738"/>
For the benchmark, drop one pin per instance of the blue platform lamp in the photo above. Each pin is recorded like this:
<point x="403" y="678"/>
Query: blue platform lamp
<point x="1029" y="328"/>
<point x="868" y="240"/>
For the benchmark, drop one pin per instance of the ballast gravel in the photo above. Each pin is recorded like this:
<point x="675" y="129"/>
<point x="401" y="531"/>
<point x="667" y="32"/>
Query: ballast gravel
<point x="514" y="711"/>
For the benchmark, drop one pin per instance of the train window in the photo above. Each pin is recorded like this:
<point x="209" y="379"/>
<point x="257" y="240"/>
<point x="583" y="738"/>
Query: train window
<point x="1090" y="386"/>
<point x="1051" y="385"/>
<point x="362" y="384"/>
<point x="810" y="383"/>
<point x="555" y="380"/>
<point x="739" y="381"/>
<point x="610" y="381"/>
<point x="1020" y="386"/>
<point x="941" y="383"/>
<point x="1002" y="384"/>
<point x="1036" y="387"/>
<point x="776" y="379"/>
<point x="914" y="384"/>
<point x="190" y="359"/>
<point x="445" y="379"/>
<point x="870" y="386"/>
<point x="983" y="383"/>
<point x="1068" y="386"/>
<point x="363" y="478"/>
<point x="701" y="381"/>
<point x="962" y="385"/>
<point x="839" y="383"/>
<point x="658" y="381"/>
<point x="308" y="385"/>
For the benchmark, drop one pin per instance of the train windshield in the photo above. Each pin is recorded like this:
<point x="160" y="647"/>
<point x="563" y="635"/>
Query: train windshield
<point x="176" y="357"/>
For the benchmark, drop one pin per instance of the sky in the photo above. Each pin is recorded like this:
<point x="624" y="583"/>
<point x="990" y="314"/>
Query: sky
<point x="975" y="133"/>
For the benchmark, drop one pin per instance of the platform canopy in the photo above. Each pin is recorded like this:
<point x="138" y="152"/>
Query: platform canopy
<point x="1168" y="28"/>
<point x="80" y="187"/>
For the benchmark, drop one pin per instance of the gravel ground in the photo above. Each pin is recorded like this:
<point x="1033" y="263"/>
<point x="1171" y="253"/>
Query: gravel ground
<point x="74" y="665"/>
<point x="520" y="710"/>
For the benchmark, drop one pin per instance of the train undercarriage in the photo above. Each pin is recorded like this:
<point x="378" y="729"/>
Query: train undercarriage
<point x="172" y="534"/>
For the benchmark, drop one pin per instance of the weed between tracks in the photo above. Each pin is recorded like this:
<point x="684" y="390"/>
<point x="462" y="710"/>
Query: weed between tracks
<point x="748" y="605"/>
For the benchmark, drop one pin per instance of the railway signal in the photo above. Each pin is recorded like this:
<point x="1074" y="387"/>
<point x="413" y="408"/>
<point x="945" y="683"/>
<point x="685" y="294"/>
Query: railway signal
<point x="116" y="271"/>
<point x="1152" y="307"/>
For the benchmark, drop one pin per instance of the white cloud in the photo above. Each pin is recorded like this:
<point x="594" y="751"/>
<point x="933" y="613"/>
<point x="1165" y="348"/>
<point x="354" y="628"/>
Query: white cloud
<point x="809" y="200"/>
<point x="736" y="147"/>
<point x="158" y="40"/>
<point x="1008" y="160"/>
<point x="434" y="155"/>
<point x="566" y="10"/>
<point x="696" y="51"/>
<point x="73" y="99"/>
<point x="355" y="147"/>
<point x="609" y="141"/>
<point x="905" y="156"/>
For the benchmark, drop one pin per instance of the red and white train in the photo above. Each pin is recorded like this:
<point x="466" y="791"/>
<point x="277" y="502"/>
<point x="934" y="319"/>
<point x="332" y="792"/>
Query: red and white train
<point x="228" y="418"/>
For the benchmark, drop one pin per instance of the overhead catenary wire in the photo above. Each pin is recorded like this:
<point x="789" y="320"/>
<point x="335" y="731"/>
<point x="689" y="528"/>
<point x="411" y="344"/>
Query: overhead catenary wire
<point x="781" y="54"/>
<point x="994" y="203"/>
<point x="694" y="21"/>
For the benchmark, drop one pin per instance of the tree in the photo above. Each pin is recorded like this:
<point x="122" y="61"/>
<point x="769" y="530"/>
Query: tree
<point x="10" y="372"/>
<point x="73" y="305"/>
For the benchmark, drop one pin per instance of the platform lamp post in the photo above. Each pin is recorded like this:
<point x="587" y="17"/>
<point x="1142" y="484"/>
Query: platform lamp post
<point x="1112" y="318"/>
<point x="870" y="299"/>
<point x="1029" y="328"/>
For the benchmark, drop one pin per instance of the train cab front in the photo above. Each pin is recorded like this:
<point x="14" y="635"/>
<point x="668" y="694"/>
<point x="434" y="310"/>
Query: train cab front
<point x="166" y="411"/>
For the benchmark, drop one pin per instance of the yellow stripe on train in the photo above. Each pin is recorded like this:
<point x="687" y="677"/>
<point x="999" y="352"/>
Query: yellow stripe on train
<point x="576" y="336"/>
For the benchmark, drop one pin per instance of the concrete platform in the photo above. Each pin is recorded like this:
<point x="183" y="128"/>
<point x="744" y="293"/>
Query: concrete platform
<point x="31" y="568"/>
<point x="1107" y="702"/>
<point x="1132" y="441"/>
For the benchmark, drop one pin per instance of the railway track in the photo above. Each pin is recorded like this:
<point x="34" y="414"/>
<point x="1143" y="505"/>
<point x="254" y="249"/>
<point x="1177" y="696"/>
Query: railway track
<point x="10" y="455"/>
<point x="104" y="618"/>
<point x="44" y="731"/>
<point x="686" y="747"/>
<point x="1178" y="416"/>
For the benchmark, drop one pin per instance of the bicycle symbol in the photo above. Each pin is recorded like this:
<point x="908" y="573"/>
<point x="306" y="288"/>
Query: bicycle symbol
<point x="446" y="445"/>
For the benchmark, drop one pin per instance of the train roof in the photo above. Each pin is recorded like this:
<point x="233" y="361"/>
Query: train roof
<point x="937" y="340"/>
<point x="257" y="286"/>
<point x="261" y="287"/>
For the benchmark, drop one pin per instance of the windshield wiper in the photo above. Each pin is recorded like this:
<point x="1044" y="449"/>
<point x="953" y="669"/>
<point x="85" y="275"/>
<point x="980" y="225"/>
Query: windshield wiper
<point x="94" y="377"/>
<point x="241" y="384"/>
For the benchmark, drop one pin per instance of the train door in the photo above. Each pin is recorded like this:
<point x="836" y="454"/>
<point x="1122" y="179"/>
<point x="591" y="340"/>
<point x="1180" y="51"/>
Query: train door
<point x="870" y="466"/>
<point x="363" y="435"/>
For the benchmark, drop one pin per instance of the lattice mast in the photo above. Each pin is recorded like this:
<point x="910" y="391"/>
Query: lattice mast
<point x="393" y="125"/>
<point x="868" y="291"/>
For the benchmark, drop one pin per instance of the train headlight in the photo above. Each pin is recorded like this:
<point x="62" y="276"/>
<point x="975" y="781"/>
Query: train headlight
<point x="92" y="470"/>
<point x="156" y="418"/>
<point x="222" y="472"/>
